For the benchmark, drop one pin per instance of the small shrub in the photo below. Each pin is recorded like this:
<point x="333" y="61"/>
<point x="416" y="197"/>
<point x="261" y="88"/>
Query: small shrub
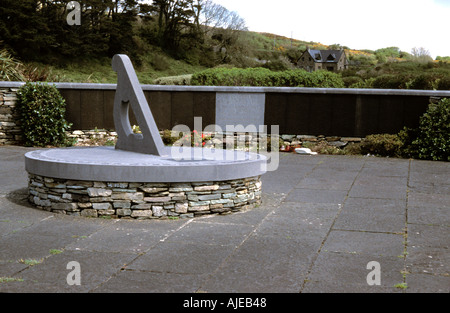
<point x="389" y="81"/>
<point x="444" y="84"/>
<point x="322" y="147"/>
<point x="422" y="82"/>
<point x="352" y="80"/>
<point x="368" y="83"/>
<point x="431" y="140"/>
<point x="41" y="110"/>
<point x="382" y="145"/>
<point x="353" y="149"/>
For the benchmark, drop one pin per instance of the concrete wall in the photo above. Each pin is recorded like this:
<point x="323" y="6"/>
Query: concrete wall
<point x="309" y="111"/>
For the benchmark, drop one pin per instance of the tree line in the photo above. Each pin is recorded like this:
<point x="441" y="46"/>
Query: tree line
<point x="37" y="30"/>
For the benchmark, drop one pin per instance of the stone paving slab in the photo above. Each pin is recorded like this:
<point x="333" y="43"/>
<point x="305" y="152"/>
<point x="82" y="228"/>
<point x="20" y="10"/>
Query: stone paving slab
<point x="323" y="219"/>
<point x="375" y="215"/>
<point x="347" y="272"/>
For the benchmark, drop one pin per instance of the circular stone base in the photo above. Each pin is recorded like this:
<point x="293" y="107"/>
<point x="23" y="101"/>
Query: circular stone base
<point x="104" y="181"/>
<point x="143" y="200"/>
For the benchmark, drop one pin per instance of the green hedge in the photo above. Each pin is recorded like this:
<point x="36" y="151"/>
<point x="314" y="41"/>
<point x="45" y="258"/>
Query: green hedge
<point x="41" y="110"/>
<point x="262" y="77"/>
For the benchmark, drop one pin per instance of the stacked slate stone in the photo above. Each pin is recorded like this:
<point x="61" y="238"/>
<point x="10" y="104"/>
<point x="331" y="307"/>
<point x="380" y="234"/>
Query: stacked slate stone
<point x="143" y="200"/>
<point x="10" y="132"/>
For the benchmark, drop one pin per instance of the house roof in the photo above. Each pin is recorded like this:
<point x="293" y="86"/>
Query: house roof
<point x="325" y="56"/>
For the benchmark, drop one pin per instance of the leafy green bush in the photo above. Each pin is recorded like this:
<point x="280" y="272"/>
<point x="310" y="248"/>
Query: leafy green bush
<point x="382" y="145"/>
<point x="368" y="83"/>
<point x="322" y="79"/>
<point x="41" y="110"/>
<point x="352" y="80"/>
<point x="423" y="82"/>
<point x="265" y="78"/>
<point x="431" y="141"/>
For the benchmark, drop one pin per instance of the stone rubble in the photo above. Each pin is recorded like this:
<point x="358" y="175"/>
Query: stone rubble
<point x="249" y="142"/>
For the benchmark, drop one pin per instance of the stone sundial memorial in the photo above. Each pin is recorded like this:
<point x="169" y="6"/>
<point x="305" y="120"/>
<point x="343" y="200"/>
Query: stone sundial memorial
<point x="141" y="177"/>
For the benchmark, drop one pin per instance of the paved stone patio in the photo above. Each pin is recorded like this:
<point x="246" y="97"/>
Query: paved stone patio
<point x="323" y="219"/>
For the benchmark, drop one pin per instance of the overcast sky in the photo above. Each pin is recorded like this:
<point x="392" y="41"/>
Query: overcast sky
<point x="358" y="24"/>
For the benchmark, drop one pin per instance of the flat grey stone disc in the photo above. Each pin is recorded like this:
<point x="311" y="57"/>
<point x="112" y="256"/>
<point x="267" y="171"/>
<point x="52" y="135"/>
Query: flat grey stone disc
<point x="108" y="164"/>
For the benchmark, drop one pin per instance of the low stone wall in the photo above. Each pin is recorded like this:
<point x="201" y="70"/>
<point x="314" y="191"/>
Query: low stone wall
<point x="10" y="132"/>
<point x="92" y="137"/>
<point x="228" y="141"/>
<point x="143" y="200"/>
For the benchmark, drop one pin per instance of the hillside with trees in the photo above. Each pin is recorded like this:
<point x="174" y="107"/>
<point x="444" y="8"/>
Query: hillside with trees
<point x="177" y="37"/>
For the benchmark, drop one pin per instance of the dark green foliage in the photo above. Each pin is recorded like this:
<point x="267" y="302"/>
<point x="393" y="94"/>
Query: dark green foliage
<point x="265" y="77"/>
<point x="38" y="30"/>
<point x="25" y="28"/>
<point x="389" y="81"/>
<point x="431" y="141"/>
<point x="444" y="83"/>
<point x="352" y="80"/>
<point x="41" y="110"/>
<point x="422" y="82"/>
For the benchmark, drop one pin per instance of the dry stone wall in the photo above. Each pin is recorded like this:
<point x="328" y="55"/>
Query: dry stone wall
<point x="10" y="133"/>
<point x="143" y="200"/>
